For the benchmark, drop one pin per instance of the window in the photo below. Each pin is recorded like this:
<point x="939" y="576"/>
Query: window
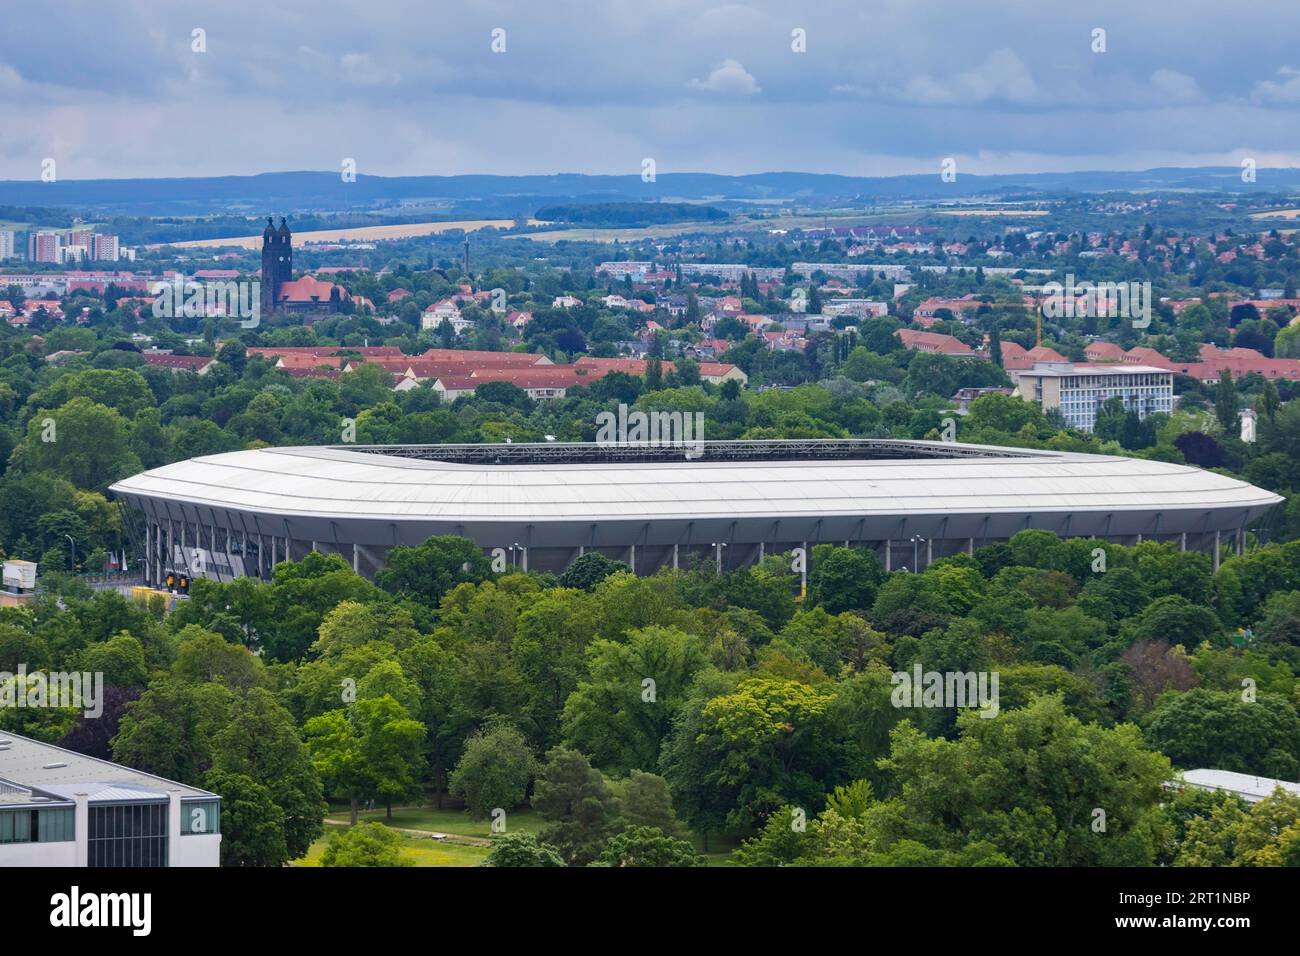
<point x="16" y="826"/>
<point x="200" y="817"/>
<point x="56" y="825"/>
<point x="130" y="834"/>
<point x="45" y="825"/>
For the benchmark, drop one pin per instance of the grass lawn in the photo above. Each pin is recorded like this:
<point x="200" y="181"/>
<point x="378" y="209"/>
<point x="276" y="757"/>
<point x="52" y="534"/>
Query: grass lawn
<point x="458" y="822"/>
<point x="420" y="851"/>
<point x="443" y="821"/>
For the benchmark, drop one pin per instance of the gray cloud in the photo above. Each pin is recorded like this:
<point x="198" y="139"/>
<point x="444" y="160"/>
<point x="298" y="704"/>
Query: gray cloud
<point x="409" y="87"/>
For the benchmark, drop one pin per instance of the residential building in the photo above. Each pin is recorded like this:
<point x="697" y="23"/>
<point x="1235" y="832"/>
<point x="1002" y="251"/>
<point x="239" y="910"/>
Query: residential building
<point x="934" y="342"/>
<point x="859" y="308"/>
<point x="1016" y="358"/>
<point x="43" y="246"/>
<point x="732" y="272"/>
<point x="617" y="270"/>
<point x="105" y="249"/>
<point x="6" y="244"/>
<point x="445" y="311"/>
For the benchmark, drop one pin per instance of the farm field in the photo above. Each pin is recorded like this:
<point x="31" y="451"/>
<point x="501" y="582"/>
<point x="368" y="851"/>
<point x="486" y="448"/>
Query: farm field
<point x="407" y="230"/>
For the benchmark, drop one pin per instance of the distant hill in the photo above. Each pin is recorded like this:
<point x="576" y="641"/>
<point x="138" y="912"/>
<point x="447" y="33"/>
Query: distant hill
<point x="509" y="196"/>
<point x="626" y="214"/>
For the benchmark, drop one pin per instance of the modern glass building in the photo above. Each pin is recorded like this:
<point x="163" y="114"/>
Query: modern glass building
<point x="60" y="808"/>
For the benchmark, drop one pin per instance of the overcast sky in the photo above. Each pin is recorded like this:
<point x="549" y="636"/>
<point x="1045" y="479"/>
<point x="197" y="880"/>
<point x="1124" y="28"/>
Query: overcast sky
<point x="412" y="87"/>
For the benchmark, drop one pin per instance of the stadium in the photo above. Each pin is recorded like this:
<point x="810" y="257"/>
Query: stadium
<point x="540" y="506"/>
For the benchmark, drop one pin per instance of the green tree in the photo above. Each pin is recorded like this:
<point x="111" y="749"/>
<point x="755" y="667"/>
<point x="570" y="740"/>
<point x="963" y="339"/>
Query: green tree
<point x="428" y="571"/>
<point x="648" y="846"/>
<point x="623" y="710"/>
<point x="589" y="570"/>
<point x="1223" y="731"/>
<point x="82" y="441"/>
<point x="522" y="850"/>
<point x="844" y="579"/>
<point x="170" y="729"/>
<point x="1018" y="786"/>
<point x="1227" y="404"/>
<point x="262" y="742"/>
<point x="367" y="844"/>
<point x="495" y="770"/>
<point x="252" y="826"/>
<point x="577" y="803"/>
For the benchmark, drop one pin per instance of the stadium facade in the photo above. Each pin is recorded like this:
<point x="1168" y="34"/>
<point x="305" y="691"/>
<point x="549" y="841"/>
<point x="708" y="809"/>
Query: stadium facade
<point x="543" y="505"/>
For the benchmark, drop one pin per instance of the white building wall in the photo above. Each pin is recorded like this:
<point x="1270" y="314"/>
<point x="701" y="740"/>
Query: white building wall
<point x="39" y="854"/>
<point x="197" y="850"/>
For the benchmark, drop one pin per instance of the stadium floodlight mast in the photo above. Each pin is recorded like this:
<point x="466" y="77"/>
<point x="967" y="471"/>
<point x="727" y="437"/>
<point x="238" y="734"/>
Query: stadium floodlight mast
<point x="916" y="542"/>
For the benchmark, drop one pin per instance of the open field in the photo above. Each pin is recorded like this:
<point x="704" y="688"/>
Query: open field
<point x="421" y="852"/>
<point x="407" y="230"/>
<point x="1277" y="214"/>
<point x="991" y="212"/>
<point x="455" y="822"/>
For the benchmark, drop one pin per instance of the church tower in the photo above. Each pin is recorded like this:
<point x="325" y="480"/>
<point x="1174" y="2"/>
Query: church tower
<point x="277" y="262"/>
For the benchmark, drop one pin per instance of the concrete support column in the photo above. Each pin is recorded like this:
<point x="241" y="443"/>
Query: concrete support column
<point x="173" y="828"/>
<point x="524" y="555"/>
<point x="674" y="557"/>
<point x="1217" y="538"/>
<point x="1241" y="541"/>
<point x="81" y="828"/>
<point x="889" y="556"/>
<point x="718" y="551"/>
<point x="1182" y="541"/>
<point x="631" y="558"/>
<point x="356" y="560"/>
<point x="929" y="551"/>
<point x="970" y="546"/>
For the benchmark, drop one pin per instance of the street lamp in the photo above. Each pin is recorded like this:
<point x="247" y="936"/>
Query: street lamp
<point x="73" y="556"/>
<point x="916" y="541"/>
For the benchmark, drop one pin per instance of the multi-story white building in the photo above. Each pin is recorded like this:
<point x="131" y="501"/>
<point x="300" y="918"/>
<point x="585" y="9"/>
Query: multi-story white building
<point x="617" y="270"/>
<point x="860" y="308"/>
<point x="6" y="244"/>
<point x="733" y="272"/>
<point x="1079" y="390"/>
<point x="61" y="808"/>
<point x="444" y="311"/>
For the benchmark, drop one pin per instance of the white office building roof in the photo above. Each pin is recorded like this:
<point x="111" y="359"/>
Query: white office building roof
<point x="1249" y="787"/>
<point x="36" y="773"/>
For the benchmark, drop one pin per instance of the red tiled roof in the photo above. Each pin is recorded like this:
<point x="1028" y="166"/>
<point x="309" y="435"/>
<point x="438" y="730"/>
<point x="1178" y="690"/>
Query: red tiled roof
<point x="309" y="289"/>
<point x="189" y="362"/>
<point x="934" y="342"/>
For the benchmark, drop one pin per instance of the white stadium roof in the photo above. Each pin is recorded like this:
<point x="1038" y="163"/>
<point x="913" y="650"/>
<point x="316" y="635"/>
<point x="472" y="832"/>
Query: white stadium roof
<point x="344" y="484"/>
